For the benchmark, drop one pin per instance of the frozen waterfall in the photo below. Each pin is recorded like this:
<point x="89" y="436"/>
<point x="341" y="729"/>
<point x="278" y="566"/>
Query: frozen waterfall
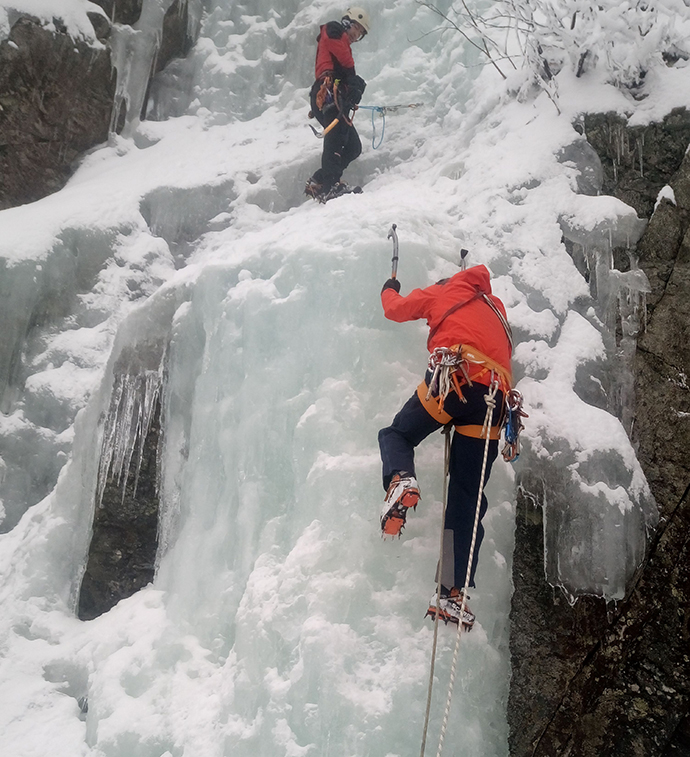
<point x="181" y="263"/>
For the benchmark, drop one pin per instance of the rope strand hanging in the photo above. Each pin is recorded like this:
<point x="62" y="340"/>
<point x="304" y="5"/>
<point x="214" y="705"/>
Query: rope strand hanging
<point x="446" y="467"/>
<point x="490" y="400"/>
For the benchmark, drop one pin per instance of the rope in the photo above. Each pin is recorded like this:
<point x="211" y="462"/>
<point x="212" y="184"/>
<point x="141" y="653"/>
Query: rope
<point x="446" y="467"/>
<point x="383" y="109"/>
<point x="490" y="400"/>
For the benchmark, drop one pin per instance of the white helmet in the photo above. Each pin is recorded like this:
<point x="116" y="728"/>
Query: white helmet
<point x="360" y="16"/>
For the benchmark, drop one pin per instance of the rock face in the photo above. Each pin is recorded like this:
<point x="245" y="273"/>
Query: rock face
<point x="56" y="96"/>
<point x="121" y="11"/>
<point x="590" y="679"/>
<point x="56" y="103"/>
<point x="176" y="41"/>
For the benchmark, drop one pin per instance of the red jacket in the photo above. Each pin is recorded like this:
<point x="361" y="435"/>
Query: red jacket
<point x="334" y="52"/>
<point x="474" y="324"/>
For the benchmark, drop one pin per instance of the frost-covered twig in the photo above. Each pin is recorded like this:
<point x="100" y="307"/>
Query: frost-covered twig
<point x="623" y="37"/>
<point x="483" y="47"/>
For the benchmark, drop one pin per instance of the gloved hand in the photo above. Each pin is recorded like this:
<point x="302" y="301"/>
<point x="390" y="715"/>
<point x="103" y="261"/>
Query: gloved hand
<point x="391" y="284"/>
<point x="355" y="89"/>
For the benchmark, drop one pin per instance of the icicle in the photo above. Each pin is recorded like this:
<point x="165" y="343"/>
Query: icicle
<point x="195" y="10"/>
<point x="135" y="51"/>
<point x="128" y="423"/>
<point x="640" y="149"/>
<point x="631" y="287"/>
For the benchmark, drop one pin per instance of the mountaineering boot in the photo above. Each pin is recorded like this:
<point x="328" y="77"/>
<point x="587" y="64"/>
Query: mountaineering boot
<point x="449" y="608"/>
<point x="315" y="190"/>
<point x="403" y="493"/>
<point x="339" y="189"/>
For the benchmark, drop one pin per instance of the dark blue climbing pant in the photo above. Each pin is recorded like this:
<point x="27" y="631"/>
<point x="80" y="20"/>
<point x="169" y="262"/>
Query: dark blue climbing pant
<point x="413" y="424"/>
<point x="341" y="145"/>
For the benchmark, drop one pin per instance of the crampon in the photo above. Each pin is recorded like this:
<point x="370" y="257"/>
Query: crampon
<point x="402" y="494"/>
<point x="450" y="609"/>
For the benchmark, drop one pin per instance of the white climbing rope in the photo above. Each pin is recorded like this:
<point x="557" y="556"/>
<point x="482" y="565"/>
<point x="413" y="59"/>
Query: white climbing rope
<point x="490" y="400"/>
<point x="446" y="466"/>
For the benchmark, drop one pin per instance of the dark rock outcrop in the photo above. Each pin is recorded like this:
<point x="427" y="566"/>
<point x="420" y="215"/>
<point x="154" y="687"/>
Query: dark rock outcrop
<point x="176" y="40"/>
<point x="121" y="11"/>
<point x="56" y="97"/>
<point x="638" y="161"/>
<point x="590" y="679"/>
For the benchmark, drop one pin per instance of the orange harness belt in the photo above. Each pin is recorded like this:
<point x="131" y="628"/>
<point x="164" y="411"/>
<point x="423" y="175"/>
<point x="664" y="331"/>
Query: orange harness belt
<point x="431" y="405"/>
<point x="469" y="429"/>
<point x="484" y="364"/>
<point x="475" y="430"/>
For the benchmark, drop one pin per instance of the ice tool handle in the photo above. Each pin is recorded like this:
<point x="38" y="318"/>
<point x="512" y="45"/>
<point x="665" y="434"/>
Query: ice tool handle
<point x="330" y="127"/>
<point x="392" y="234"/>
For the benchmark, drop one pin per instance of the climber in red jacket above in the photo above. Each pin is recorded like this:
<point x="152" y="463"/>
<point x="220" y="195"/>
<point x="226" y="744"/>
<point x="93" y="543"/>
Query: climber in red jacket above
<point x="335" y="92"/>
<point x="470" y="345"/>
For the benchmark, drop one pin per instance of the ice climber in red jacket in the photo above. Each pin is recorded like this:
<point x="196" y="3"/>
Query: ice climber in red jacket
<point x="336" y="91"/>
<point x="468" y="331"/>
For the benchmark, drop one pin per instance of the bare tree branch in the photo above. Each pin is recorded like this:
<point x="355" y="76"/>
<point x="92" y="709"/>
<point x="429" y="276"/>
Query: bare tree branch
<point x="483" y="48"/>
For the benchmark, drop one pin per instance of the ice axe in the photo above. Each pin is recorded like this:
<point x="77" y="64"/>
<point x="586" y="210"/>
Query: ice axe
<point x="322" y="134"/>
<point x="463" y="259"/>
<point x="392" y="234"/>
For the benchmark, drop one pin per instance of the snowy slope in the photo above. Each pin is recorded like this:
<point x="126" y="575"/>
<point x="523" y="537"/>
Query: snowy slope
<point x="278" y="622"/>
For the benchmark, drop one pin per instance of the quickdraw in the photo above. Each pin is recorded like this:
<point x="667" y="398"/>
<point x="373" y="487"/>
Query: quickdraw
<point x="327" y="96"/>
<point x="444" y="362"/>
<point x="513" y="425"/>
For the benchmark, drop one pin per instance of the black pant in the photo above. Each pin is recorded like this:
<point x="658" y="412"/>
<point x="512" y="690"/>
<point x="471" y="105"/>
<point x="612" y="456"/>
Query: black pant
<point x="340" y="146"/>
<point x="413" y="424"/>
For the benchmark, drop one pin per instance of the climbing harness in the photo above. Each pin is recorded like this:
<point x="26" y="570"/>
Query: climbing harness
<point x="513" y="425"/>
<point x="490" y="399"/>
<point x="382" y="110"/>
<point x="327" y="96"/>
<point x="446" y="362"/>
